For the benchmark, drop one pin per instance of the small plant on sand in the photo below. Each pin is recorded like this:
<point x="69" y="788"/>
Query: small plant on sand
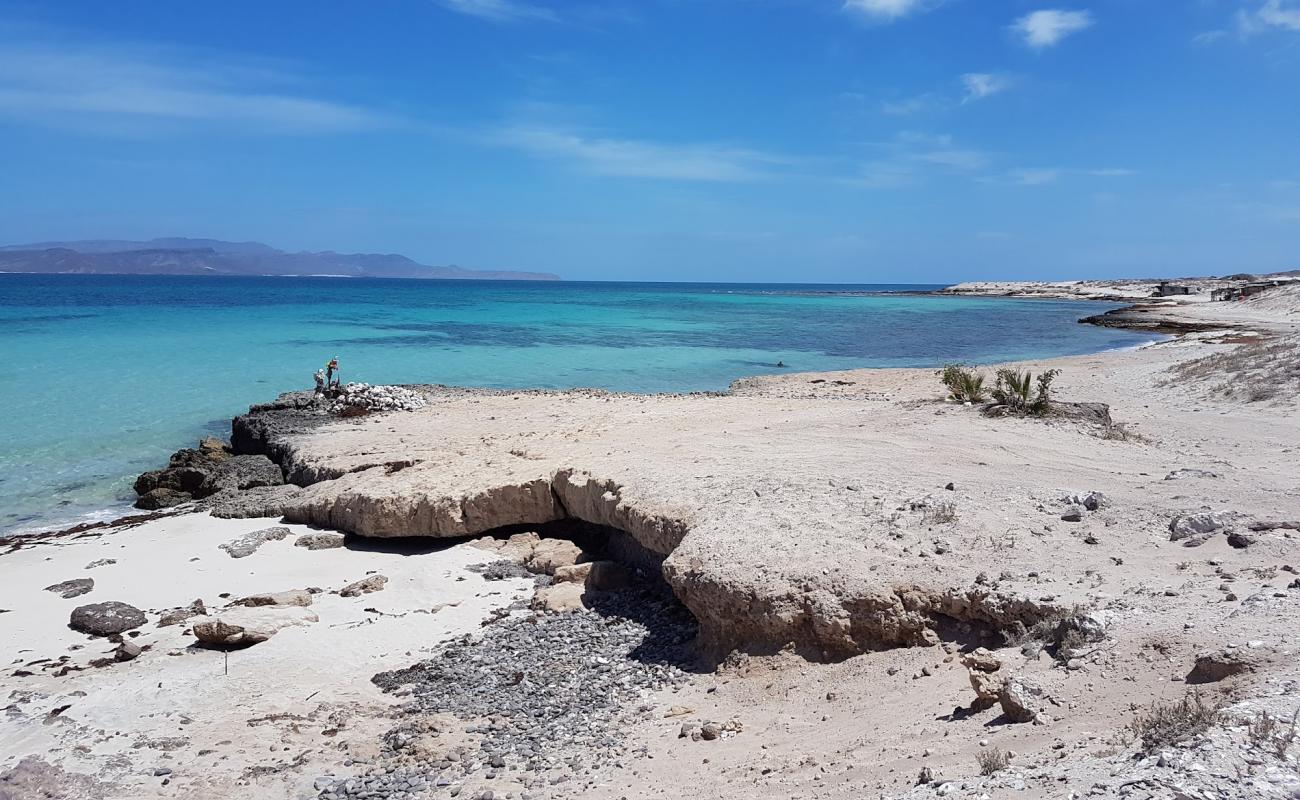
<point x="1019" y="393"/>
<point x="1271" y="733"/>
<point x="993" y="760"/>
<point x="941" y="513"/>
<point x="1167" y="723"/>
<point x="964" y="385"/>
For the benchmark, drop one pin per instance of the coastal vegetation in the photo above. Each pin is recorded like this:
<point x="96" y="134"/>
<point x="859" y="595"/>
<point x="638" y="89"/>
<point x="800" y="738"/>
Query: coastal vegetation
<point x="1014" y="392"/>
<point x="965" y="385"/>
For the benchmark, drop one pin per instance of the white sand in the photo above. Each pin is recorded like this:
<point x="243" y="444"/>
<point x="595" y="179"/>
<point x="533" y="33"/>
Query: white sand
<point x="320" y="674"/>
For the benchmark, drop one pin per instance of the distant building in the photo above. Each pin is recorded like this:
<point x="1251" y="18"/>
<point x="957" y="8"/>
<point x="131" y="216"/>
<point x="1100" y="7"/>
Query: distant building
<point x="1167" y="289"/>
<point x="1244" y="291"/>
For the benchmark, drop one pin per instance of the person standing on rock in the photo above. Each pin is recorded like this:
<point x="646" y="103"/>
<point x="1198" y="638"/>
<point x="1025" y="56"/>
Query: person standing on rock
<point x="320" y="381"/>
<point x="330" y="370"/>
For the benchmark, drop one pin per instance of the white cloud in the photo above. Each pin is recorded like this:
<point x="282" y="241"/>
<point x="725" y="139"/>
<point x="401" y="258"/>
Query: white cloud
<point x="887" y="10"/>
<point x="1046" y="28"/>
<point x="1035" y="177"/>
<point x="500" y="10"/>
<point x="979" y="85"/>
<point x="1272" y="15"/>
<point x="919" y="104"/>
<point x="633" y="158"/>
<point x="131" y="87"/>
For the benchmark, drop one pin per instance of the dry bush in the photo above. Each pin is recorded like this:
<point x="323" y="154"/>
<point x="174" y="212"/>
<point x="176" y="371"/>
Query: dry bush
<point x="992" y="760"/>
<point x="1119" y="432"/>
<point x="1268" y="732"/>
<point x="1167" y="723"/>
<point x="941" y="513"/>
<point x="1251" y="373"/>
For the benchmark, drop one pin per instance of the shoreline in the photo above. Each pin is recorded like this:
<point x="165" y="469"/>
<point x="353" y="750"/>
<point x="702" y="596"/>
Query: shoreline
<point x="843" y="542"/>
<point x="123" y="508"/>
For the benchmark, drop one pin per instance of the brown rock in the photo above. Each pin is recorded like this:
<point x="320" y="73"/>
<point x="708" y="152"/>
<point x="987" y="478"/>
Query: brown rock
<point x="373" y="583"/>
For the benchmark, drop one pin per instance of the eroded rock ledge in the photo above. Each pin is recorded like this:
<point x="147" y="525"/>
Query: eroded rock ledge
<point x="772" y="521"/>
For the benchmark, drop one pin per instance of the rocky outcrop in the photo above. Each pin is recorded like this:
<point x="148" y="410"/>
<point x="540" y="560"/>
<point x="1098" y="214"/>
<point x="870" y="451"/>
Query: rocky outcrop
<point x="73" y="588"/>
<point x="292" y="597"/>
<point x="241" y="627"/>
<point x="373" y="583"/>
<point x="106" y="619"/>
<point x="193" y="474"/>
<point x="320" y="541"/>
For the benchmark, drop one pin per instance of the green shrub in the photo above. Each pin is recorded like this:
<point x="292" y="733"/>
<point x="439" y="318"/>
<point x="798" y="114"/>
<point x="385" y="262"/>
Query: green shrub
<point x="1017" y="391"/>
<point x="964" y="385"/>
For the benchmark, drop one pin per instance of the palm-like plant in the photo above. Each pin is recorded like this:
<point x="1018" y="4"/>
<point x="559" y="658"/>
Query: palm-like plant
<point x="964" y="385"/>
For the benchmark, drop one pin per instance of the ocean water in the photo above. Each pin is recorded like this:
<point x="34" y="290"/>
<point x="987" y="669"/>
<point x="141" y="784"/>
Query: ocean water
<point x="102" y="377"/>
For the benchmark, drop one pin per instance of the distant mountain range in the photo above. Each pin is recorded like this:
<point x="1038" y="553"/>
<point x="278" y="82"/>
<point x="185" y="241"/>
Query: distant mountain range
<point x="179" y="256"/>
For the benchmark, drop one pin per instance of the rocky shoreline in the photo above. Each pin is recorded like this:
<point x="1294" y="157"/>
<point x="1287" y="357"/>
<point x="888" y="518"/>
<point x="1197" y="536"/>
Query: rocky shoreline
<point x="832" y="585"/>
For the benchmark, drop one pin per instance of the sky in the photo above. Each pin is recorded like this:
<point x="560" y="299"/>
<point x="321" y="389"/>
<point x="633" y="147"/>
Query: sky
<point x="699" y="140"/>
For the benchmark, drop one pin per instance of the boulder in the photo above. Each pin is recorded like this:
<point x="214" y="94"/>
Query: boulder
<point x="241" y="627"/>
<point x="983" y="667"/>
<point x="1073" y="514"/>
<point x="320" y="541"/>
<point x="549" y="554"/>
<point x="292" y="597"/>
<point x="574" y="573"/>
<point x="214" y="449"/>
<point x="106" y="619"/>
<point x="599" y="576"/>
<point x="1216" y="665"/>
<point x="373" y="583"/>
<point x="1195" y="529"/>
<point x="608" y="576"/>
<point x="240" y="473"/>
<point x="127" y="651"/>
<point x="73" y="588"/>
<point x="559" y="598"/>
<point x="176" y="616"/>
<point x="1090" y="501"/>
<point x="162" y="497"/>
<point x="1018" y="699"/>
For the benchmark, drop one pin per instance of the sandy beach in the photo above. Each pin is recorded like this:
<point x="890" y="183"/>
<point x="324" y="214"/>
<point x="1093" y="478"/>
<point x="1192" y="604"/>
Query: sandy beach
<point x="815" y="585"/>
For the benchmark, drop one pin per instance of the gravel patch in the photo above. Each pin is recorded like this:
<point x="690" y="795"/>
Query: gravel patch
<point x="547" y="698"/>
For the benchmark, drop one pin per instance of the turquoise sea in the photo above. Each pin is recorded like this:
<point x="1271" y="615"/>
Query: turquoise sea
<point x="102" y="377"/>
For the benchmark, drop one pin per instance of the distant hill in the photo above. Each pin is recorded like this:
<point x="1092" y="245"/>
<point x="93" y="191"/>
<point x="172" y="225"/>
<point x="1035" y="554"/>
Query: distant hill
<point x="179" y="256"/>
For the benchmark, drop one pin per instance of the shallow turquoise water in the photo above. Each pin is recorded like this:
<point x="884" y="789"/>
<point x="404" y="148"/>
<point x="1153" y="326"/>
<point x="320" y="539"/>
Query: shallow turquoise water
<point x="104" y="376"/>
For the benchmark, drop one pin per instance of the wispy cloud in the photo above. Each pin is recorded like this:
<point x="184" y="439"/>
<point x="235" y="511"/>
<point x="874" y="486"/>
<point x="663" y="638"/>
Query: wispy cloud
<point x="129" y="86"/>
<point x="634" y="158"/>
<point x="888" y="10"/>
<point x="500" y="10"/>
<point x="912" y="156"/>
<point x="979" y="85"/>
<point x="974" y="86"/>
<point x="1272" y="15"/>
<point x="1046" y="28"/>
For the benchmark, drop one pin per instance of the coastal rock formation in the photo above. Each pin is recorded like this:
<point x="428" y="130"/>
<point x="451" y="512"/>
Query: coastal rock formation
<point x="106" y="619"/>
<point x="241" y="627"/>
<point x="292" y="597"/>
<point x="374" y="583"/>
<point x="320" y="541"/>
<point x="193" y="474"/>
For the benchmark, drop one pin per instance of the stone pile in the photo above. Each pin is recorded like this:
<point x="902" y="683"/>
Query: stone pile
<point x="547" y="697"/>
<point x="375" y="398"/>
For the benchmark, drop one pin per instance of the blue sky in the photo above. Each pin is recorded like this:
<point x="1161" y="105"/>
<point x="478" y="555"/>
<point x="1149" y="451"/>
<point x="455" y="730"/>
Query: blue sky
<point x="738" y="140"/>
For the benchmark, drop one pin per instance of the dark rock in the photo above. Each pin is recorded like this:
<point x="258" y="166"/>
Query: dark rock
<point x="127" y="651"/>
<point x="1240" y="540"/>
<point x="178" y="615"/>
<point x="162" y="497"/>
<point x="240" y="473"/>
<point x="73" y="588"/>
<point x="260" y="501"/>
<point x="325" y="541"/>
<point x="105" y="619"/>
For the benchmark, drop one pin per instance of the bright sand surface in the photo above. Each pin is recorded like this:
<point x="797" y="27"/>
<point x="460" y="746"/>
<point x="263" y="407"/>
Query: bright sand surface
<point x="133" y="717"/>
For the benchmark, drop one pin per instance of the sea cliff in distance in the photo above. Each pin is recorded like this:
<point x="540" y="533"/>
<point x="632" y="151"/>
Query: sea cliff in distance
<point x="181" y="256"/>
